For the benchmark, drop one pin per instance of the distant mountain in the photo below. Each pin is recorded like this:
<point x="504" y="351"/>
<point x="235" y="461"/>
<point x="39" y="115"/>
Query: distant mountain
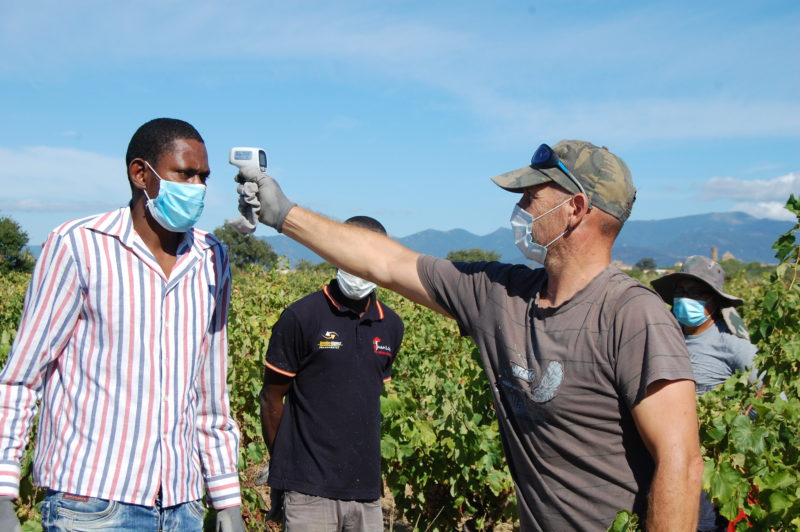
<point x="749" y="239"/>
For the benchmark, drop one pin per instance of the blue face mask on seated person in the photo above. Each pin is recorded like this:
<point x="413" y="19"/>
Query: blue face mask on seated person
<point x="178" y="206"/>
<point x="689" y="312"/>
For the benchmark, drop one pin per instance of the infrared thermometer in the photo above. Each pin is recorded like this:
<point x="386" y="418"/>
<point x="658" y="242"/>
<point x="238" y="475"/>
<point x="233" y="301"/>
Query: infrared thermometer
<point x="248" y="157"/>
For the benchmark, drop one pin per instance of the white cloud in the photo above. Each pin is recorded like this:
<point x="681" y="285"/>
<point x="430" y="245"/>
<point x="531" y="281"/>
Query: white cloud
<point x="773" y="210"/>
<point x="519" y="71"/>
<point x="46" y="179"/>
<point x="752" y="190"/>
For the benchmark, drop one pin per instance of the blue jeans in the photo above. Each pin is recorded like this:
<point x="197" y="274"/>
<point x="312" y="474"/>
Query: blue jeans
<point x="62" y="512"/>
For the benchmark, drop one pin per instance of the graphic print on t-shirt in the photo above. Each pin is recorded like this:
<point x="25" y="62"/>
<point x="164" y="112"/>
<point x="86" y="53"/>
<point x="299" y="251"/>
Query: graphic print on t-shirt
<point x="523" y="386"/>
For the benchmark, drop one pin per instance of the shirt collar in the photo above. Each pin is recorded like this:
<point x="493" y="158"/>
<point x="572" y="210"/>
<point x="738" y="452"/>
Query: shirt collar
<point x="119" y="224"/>
<point x="374" y="310"/>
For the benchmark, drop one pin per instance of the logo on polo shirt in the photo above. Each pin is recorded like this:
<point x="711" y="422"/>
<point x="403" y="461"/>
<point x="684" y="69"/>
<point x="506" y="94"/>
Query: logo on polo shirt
<point x="330" y="340"/>
<point x="381" y="349"/>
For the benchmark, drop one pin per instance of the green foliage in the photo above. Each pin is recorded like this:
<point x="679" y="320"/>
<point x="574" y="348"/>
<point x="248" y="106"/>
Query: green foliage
<point x="625" y="521"/>
<point x="646" y="263"/>
<point x="443" y="458"/>
<point x="748" y="270"/>
<point x="752" y="461"/>
<point x="319" y="267"/>
<point x="245" y="250"/>
<point x="473" y="255"/>
<point x="13" y="257"/>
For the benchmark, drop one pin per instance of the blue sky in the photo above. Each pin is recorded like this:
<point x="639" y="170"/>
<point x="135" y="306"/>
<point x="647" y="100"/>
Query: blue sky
<point x="402" y="110"/>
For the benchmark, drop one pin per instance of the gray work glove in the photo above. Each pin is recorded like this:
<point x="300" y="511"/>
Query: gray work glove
<point x="249" y="207"/>
<point x="273" y="204"/>
<point x="263" y="476"/>
<point x="230" y="520"/>
<point x="8" y="517"/>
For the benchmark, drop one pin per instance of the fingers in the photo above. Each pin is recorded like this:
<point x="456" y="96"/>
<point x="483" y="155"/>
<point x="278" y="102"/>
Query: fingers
<point x="249" y="174"/>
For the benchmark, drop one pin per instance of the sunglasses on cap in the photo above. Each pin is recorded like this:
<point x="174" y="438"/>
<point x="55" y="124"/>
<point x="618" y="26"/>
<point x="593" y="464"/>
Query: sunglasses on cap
<point x="545" y="157"/>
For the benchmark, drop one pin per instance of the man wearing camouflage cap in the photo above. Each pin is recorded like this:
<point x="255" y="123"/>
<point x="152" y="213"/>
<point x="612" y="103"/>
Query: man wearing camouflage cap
<point x="717" y="339"/>
<point x="590" y="377"/>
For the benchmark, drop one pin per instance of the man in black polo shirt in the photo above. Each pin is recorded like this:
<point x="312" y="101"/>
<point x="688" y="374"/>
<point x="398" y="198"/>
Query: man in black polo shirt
<point x="329" y="355"/>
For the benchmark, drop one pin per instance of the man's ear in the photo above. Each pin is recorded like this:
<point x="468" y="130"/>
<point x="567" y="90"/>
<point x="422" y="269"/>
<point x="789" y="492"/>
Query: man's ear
<point x="137" y="171"/>
<point x="580" y="207"/>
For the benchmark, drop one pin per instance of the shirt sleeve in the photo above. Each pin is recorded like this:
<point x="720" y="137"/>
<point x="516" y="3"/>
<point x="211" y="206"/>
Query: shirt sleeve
<point x="647" y="343"/>
<point x="286" y="345"/>
<point x="743" y="354"/>
<point x="218" y="435"/>
<point x="399" y="331"/>
<point x="50" y="312"/>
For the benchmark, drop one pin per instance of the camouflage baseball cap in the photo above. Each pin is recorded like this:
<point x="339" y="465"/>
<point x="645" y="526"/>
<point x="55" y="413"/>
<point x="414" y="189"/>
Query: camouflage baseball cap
<point x="697" y="268"/>
<point x="605" y="176"/>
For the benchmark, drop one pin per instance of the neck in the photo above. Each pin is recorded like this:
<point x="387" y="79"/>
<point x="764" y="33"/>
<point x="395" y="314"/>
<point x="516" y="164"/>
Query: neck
<point x="567" y="275"/>
<point x="691" y="331"/>
<point x="158" y="240"/>
<point x="359" y="306"/>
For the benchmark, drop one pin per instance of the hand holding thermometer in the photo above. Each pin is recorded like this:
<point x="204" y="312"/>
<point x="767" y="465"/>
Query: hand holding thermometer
<point x="248" y="157"/>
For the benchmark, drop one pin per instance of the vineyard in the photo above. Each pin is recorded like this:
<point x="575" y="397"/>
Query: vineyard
<point x="443" y="460"/>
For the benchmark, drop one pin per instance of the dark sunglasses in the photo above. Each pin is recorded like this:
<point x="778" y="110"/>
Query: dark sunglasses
<point x="545" y="157"/>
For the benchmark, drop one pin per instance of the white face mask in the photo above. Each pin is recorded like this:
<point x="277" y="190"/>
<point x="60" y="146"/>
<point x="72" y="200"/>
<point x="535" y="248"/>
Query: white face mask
<point x="522" y="226"/>
<point x="354" y="287"/>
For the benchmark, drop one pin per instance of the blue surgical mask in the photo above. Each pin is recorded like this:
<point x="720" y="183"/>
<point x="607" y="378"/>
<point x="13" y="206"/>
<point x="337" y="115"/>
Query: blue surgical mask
<point x="522" y="226"/>
<point x="178" y="206"/>
<point x="689" y="312"/>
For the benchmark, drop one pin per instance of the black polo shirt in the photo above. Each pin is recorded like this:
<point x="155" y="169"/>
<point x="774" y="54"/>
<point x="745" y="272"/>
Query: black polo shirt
<point x="328" y="441"/>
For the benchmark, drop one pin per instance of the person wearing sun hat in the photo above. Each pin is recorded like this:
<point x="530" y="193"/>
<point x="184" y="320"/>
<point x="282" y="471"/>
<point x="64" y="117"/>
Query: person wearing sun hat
<point x="589" y="374"/>
<point x="715" y="335"/>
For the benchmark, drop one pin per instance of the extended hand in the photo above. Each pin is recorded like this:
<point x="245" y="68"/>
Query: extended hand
<point x="8" y="518"/>
<point x="274" y="205"/>
<point x="230" y="520"/>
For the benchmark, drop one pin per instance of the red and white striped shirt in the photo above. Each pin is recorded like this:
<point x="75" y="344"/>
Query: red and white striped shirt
<point x="130" y="367"/>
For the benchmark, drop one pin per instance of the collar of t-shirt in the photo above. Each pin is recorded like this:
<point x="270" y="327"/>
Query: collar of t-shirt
<point x="374" y="309"/>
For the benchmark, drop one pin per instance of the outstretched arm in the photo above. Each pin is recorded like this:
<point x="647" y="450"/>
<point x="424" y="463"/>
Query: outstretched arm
<point x="354" y="249"/>
<point x="667" y="422"/>
<point x="361" y="252"/>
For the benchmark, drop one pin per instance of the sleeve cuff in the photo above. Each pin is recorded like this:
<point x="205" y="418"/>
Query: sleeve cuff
<point x="223" y="491"/>
<point x="9" y="479"/>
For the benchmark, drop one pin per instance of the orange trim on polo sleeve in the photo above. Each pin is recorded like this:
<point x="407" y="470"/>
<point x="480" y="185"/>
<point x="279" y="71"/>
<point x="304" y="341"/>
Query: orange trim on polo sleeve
<point x="279" y="370"/>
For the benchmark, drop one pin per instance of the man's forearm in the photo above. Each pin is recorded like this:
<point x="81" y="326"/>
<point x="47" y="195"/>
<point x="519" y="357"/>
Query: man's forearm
<point x="361" y="252"/>
<point x="675" y="497"/>
<point x="271" y="414"/>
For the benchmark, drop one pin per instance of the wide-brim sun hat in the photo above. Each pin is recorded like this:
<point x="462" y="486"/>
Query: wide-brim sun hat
<point x="696" y="268"/>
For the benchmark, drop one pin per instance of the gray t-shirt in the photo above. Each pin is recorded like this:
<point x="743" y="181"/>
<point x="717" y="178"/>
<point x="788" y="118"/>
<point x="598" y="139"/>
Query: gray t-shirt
<point x="716" y="354"/>
<point x="564" y="381"/>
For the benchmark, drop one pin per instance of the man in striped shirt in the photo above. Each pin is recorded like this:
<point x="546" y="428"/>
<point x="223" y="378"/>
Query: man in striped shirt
<point x="123" y="341"/>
